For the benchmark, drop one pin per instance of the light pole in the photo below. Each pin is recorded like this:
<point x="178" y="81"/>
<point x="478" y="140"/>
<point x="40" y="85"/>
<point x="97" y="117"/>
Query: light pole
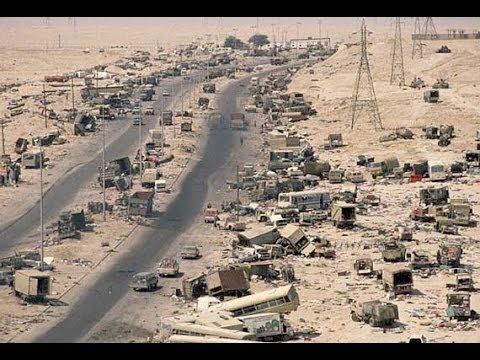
<point x="41" y="206"/>
<point x="140" y="157"/>
<point x="298" y="42"/>
<point x="104" y="206"/>
<point x="45" y="105"/>
<point x="319" y="28"/>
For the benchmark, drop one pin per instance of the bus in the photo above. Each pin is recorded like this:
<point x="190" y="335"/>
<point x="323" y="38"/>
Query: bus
<point x="282" y="299"/>
<point x="183" y="328"/>
<point x="204" y="340"/>
<point x="305" y="200"/>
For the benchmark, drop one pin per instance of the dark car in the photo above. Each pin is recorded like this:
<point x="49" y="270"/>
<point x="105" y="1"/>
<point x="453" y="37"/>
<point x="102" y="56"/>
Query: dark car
<point x="144" y="281"/>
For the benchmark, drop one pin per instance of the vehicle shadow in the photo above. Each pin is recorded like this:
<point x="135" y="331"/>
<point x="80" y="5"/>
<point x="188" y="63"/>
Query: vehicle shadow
<point x="417" y="292"/>
<point x="56" y="302"/>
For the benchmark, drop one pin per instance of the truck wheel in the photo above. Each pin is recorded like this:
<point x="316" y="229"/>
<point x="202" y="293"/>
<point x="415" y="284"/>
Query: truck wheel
<point x="371" y="321"/>
<point x="355" y="317"/>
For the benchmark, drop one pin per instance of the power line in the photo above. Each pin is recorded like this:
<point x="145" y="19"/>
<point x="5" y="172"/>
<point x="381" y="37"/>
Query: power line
<point x="429" y="29"/>
<point x="397" y="75"/>
<point x="364" y="93"/>
<point x="417" y="46"/>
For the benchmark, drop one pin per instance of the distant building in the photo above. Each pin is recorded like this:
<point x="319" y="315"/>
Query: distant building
<point x="309" y="42"/>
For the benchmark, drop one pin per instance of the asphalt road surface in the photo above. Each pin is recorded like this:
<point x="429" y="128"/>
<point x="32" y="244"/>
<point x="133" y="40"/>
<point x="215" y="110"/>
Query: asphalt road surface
<point x="65" y="189"/>
<point x="112" y="285"/>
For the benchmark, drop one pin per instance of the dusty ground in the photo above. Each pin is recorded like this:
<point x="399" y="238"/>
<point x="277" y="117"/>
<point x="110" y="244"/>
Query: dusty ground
<point x="323" y="315"/>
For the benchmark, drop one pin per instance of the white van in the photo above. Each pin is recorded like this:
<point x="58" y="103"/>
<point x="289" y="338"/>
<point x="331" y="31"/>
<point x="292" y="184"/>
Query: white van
<point x="160" y="186"/>
<point x="354" y="176"/>
<point x="436" y="171"/>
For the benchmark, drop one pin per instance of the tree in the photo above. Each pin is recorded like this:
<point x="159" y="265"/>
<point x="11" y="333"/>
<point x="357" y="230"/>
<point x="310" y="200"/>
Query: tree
<point x="259" y="40"/>
<point x="234" y="43"/>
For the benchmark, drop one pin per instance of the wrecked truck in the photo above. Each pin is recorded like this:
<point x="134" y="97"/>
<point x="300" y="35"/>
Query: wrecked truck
<point x="397" y="279"/>
<point x="375" y="313"/>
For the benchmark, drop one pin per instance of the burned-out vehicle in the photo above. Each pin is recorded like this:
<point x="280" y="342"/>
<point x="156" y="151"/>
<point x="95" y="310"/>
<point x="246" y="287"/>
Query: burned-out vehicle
<point x="458" y="306"/>
<point x="418" y="259"/>
<point x="397" y="279"/>
<point x="363" y="266"/>
<point x="393" y="251"/>
<point x="464" y="282"/>
<point x="168" y="267"/>
<point x="431" y="96"/>
<point x="375" y="313"/>
<point x="143" y="281"/>
<point x="343" y="214"/>
<point x="449" y="255"/>
<point x="190" y="252"/>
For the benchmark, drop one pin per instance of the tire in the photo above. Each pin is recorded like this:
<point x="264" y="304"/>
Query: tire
<point x="355" y="317"/>
<point x="371" y="321"/>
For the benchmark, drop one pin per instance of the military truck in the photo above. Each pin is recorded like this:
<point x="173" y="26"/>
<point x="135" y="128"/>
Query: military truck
<point x="343" y="214"/>
<point x="445" y="226"/>
<point x="143" y="281"/>
<point x="397" y="278"/>
<point x="440" y="84"/>
<point x="237" y="121"/>
<point x="404" y="233"/>
<point x="434" y="196"/>
<point x="431" y="96"/>
<point x="418" y="259"/>
<point x="363" y="266"/>
<point x="375" y="313"/>
<point x="393" y="251"/>
<point x="458" y="306"/>
<point x="463" y="282"/>
<point x="167" y="118"/>
<point x="209" y="88"/>
<point x="335" y="176"/>
<point x="149" y="177"/>
<point x="32" y="160"/>
<point x="190" y="252"/>
<point x="449" y="255"/>
<point x="168" y="267"/>
<point x="230" y="223"/>
<point x="32" y="285"/>
<point x="268" y="326"/>
<point x="203" y="102"/>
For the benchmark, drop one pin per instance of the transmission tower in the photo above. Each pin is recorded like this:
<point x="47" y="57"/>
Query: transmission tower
<point x="397" y="75"/>
<point x="364" y="93"/>
<point x="429" y="29"/>
<point x="417" y="48"/>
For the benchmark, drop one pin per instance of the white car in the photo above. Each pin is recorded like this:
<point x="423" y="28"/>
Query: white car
<point x="149" y="111"/>
<point x="165" y="93"/>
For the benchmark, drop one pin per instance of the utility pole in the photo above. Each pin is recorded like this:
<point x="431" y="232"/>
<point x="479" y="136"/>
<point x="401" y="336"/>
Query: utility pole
<point x="257" y="26"/>
<point x="238" y="195"/>
<point x="45" y="106"/>
<point x="59" y="41"/>
<point x="298" y="34"/>
<point x="173" y="111"/>
<point x="161" y="124"/>
<point x="364" y="93"/>
<point x="140" y="157"/>
<point x="41" y="207"/>
<point x="73" y="101"/>
<point x="181" y="94"/>
<point x="417" y="47"/>
<point x="397" y="75"/>
<point x="3" y="124"/>
<point x="319" y="28"/>
<point x="104" y="207"/>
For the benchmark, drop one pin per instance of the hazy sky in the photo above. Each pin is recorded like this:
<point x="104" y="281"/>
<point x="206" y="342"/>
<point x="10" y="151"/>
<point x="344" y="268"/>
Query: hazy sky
<point x="469" y="23"/>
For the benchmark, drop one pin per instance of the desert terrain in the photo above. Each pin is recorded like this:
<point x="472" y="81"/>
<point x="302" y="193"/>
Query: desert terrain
<point x="326" y="287"/>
